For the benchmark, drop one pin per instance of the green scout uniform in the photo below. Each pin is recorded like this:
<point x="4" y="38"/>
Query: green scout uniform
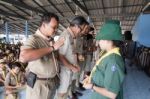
<point x="43" y="67"/>
<point x="109" y="74"/>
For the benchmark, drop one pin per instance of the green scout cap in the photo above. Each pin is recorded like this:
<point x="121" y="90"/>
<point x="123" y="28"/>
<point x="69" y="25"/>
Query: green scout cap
<point x="110" y="30"/>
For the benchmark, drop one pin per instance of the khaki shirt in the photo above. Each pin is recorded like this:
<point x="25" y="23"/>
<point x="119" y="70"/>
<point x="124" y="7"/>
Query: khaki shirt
<point x="79" y="45"/>
<point x="68" y="49"/>
<point x="13" y="80"/>
<point x="44" y="67"/>
<point x="2" y="76"/>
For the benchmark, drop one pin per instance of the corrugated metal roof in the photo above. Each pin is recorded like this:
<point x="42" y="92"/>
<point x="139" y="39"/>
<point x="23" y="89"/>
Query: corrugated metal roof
<point x="126" y="11"/>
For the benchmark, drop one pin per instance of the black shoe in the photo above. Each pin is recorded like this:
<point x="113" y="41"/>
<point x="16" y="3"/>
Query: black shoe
<point x="78" y="93"/>
<point x="74" y="96"/>
<point x="81" y="87"/>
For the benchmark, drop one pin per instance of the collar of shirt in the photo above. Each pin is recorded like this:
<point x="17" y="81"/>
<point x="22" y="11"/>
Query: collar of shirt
<point x="72" y="34"/>
<point x="38" y="32"/>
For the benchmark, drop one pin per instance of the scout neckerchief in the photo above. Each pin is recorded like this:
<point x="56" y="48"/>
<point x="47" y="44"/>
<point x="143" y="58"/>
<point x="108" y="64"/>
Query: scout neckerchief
<point x="4" y="73"/>
<point x="16" y="78"/>
<point x="115" y="50"/>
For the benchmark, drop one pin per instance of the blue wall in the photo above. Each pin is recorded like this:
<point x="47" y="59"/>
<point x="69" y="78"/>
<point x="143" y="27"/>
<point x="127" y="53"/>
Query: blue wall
<point x="141" y="30"/>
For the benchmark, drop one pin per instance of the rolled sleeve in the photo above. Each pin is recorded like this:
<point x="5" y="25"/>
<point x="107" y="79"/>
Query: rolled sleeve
<point x="29" y="43"/>
<point x="64" y="47"/>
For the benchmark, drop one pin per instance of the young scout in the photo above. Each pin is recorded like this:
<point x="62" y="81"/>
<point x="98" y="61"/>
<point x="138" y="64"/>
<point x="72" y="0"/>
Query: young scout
<point x="14" y="80"/>
<point x="107" y="76"/>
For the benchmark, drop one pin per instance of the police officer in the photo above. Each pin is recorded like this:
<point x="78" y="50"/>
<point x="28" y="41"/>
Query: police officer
<point x="107" y="75"/>
<point x="39" y="54"/>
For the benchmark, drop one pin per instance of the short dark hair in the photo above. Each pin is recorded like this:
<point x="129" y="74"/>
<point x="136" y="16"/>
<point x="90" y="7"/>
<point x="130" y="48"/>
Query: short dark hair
<point x="118" y="44"/>
<point x="78" y="20"/>
<point x="46" y="18"/>
<point x="15" y="64"/>
<point x="91" y="29"/>
<point x="128" y="35"/>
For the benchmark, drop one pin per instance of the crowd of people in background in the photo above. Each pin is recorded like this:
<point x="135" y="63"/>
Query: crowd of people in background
<point x="12" y="72"/>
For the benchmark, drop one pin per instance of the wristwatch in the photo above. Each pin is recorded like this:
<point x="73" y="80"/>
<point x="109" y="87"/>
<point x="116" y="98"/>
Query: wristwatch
<point x="52" y="48"/>
<point x="92" y="87"/>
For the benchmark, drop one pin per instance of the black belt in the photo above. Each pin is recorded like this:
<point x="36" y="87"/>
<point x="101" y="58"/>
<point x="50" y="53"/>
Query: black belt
<point x="38" y="78"/>
<point x="44" y="78"/>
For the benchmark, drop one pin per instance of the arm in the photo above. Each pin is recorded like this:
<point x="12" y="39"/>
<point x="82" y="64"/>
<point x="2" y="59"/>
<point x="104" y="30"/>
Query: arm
<point x="104" y="92"/>
<point x="31" y="54"/>
<point x="12" y="87"/>
<point x="1" y="80"/>
<point x="27" y="55"/>
<point x="67" y="64"/>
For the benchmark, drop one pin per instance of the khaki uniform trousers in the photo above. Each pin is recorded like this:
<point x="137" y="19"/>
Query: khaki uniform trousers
<point x="43" y="89"/>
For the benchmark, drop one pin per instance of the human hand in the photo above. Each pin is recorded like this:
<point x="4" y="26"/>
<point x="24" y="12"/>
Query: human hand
<point x="81" y="57"/>
<point x="59" y="43"/>
<point x="86" y="80"/>
<point x="75" y="68"/>
<point x="88" y="85"/>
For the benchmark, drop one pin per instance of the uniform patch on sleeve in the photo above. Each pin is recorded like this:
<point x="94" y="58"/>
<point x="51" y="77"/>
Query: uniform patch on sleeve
<point x="113" y="68"/>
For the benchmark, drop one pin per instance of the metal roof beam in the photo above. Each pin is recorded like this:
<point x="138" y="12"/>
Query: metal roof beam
<point x="66" y="2"/>
<point x="5" y="13"/>
<point x="21" y="25"/>
<point x="20" y="9"/>
<point x="58" y="11"/>
<point x="103" y="6"/>
<point x="40" y="6"/>
<point x="23" y="5"/>
<point x="55" y="8"/>
<point x="13" y="11"/>
<point x="113" y="7"/>
<point x="17" y="26"/>
<point x="81" y="7"/>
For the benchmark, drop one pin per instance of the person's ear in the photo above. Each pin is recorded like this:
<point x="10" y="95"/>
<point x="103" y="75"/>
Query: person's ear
<point x="76" y="26"/>
<point x="44" y="25"/>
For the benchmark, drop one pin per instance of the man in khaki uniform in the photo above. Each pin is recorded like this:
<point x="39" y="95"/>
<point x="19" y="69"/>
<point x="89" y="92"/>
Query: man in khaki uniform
<point x="68" y="57"/>
<point x="84" y="50"/>
<point x="38" y="51"/>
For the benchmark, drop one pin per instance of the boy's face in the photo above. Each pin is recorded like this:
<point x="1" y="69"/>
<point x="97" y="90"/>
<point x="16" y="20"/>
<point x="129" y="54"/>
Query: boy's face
<point x="16" y="70"/>
<point x="2" y="65"/>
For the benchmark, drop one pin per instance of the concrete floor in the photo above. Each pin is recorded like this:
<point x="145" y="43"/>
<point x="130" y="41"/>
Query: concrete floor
<point x="136" y="86"/>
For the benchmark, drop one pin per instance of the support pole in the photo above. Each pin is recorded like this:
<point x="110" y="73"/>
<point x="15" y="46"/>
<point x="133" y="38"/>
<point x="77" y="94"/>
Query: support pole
<point x="7" y="32"/>
<point x="26" y="29"/>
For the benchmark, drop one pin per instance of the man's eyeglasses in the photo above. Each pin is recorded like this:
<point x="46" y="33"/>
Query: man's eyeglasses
<point x="82" y="28"/>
